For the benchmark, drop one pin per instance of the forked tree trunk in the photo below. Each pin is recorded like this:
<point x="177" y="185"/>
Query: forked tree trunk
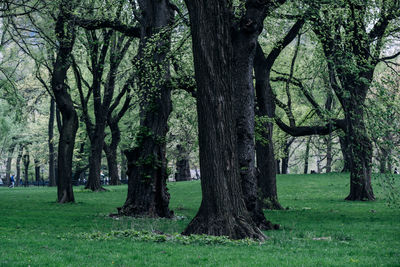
<point x="222" y="210"/>
<point x="147" y="163"/>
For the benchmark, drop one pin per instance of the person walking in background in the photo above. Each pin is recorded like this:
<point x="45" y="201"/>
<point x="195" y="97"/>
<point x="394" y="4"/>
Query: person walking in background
<point x="12" y="181"/>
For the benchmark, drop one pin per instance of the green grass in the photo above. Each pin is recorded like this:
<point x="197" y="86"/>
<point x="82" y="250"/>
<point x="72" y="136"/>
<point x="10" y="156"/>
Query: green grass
<point x="318" y="229"/>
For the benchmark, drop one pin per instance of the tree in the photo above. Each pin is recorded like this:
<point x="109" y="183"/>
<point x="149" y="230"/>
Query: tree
<point x="65" y="33"/>
<point x="223" y="210"/>
<point x="352" y="52"/>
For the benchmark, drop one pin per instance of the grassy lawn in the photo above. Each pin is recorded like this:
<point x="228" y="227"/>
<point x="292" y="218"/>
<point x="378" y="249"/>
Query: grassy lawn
<point x="318" y="229"/>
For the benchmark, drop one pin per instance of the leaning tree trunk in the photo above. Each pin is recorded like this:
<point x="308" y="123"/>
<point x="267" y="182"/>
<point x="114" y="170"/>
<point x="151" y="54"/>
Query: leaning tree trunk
<point x="147" y="163"/>
<point x="360" y="148"/>
<point x="18" y="164"/>
<point x="52" y="178"/>
<point x="222" y="210"/>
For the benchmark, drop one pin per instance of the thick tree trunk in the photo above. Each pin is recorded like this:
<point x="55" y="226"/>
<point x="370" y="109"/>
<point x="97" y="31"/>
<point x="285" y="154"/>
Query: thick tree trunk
<point x="52" y="178"/>
<point x="147" y="163"/>
<point x="360" y="147"/>
<point x="222" y="210"/>
<point x="18" y="164"/>
<point x="8" y="164"/>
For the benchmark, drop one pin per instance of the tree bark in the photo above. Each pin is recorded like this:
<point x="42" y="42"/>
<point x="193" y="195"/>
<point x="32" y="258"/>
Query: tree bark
<point x="147" y="163"/>
<point x="223" y="210"/>
<point x="111" y="155"/>
<point x="52" y="178"/>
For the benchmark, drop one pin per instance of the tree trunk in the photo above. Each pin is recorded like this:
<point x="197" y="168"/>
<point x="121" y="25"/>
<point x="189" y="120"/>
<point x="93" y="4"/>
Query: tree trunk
<point x="329" y="159"/>
<point x="52" y="178"/>
<point x="266" y="164"/>
<point x="360" y="147"/>
<point x="96" y="149"/>
<point x="307" y="155"/>
<point x="222" y="210"/>
<point x="278" y="166"/>
<point x="344" y="145"/>
<point x="147" y="163"/>
<point x="65" y="33"/>
<point x="26" y="161"/>
<point x="37" y="171"/>
<point x="111" y="152"/>
<point x="285" y="159"/>
<point x="111" y="155"/>
<point x="182" y="165"/>
<point x="123" y="166"/>
<point x="18" y="163"/>
<point x="8" y="164"/>
<point x="244" y="47"/>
